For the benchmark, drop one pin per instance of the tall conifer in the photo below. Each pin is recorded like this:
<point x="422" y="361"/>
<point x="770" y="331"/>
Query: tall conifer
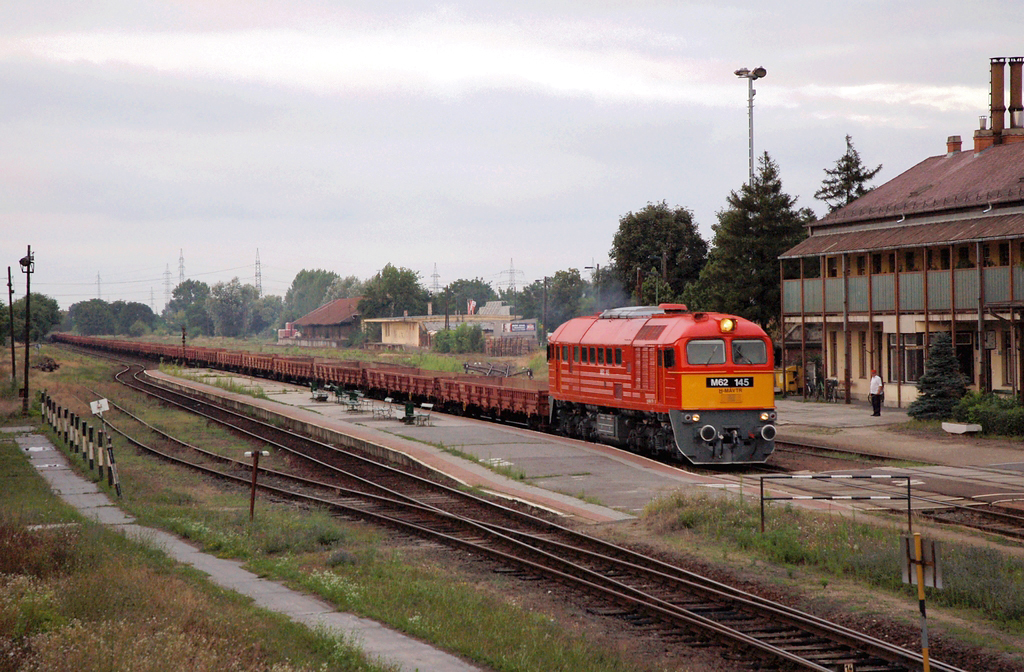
<point x="942" y="384"/>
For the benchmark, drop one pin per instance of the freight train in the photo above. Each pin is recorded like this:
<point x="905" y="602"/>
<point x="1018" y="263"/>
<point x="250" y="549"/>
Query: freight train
<point x="654" y="380"/>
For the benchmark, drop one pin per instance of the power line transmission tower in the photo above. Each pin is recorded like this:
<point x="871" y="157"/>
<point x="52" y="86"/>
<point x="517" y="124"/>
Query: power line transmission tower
<point x="259" y="276"/>
<point x="152" y="300"/>
<point x="99" y="294"/>
<point x="181" y="266"/>
<point x="436" y="287"/>
<point x="510" y="283"/>
<point x="167" y="285"/>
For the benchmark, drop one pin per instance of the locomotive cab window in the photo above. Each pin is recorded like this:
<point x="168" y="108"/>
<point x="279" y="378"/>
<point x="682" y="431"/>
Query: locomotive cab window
<point x="705" y="352"/>
<point x="670" y="358"/>
<point x="749" y="352"/>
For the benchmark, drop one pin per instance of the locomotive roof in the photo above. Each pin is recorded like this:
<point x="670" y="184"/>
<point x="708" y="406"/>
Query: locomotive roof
<point x="648" y="325"/>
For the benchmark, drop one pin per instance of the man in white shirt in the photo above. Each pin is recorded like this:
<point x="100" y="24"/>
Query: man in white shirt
<point x="877" y="393"/>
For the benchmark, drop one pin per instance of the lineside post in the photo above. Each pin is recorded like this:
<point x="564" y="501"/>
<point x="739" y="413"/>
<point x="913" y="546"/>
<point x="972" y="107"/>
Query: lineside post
<point x="920" y="599"/>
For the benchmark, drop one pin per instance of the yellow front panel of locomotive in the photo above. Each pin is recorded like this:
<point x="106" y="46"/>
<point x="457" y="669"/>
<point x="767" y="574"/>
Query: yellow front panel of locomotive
<point x="722" y="390"/>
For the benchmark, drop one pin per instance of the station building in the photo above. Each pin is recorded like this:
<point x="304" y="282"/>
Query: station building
<point x="940" y="248"/>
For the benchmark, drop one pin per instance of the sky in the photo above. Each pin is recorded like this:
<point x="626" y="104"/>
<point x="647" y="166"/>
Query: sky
<point x="493" y="140"/>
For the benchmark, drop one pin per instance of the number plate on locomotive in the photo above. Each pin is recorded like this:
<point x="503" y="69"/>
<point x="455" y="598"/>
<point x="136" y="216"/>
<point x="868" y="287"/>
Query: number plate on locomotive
<point x="731" y="381"/>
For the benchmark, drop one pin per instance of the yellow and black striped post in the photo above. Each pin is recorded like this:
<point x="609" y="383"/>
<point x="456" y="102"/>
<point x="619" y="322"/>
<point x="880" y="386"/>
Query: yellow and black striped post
<point x="919" y="563"/>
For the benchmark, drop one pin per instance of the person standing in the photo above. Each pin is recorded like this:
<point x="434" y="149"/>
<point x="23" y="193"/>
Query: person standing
<point x="877" y="393"/>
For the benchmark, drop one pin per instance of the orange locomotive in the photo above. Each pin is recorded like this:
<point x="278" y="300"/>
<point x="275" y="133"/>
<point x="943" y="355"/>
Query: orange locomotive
<point x="662" y="380"/>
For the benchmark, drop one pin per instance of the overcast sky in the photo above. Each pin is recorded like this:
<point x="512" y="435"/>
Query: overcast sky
<point x="478" y="137"/>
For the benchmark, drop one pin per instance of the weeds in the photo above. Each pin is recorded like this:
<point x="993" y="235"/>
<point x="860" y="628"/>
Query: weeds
<point x="978" y="579"/>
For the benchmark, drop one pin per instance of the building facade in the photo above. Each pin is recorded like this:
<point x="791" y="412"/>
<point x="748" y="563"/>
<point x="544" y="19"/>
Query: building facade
<point x="940" y="248"/>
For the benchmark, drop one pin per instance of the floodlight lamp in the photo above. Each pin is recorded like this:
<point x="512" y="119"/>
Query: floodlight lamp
<point x="742" y="72"/>
<point x="28" y="263"/>
<point x="758" y="73"/>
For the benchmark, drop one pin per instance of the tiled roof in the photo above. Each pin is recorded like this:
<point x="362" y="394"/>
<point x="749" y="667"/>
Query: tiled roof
<point x="339" y="311"/>
<point x="942" y="183"/>
<point x="910" y="234"/>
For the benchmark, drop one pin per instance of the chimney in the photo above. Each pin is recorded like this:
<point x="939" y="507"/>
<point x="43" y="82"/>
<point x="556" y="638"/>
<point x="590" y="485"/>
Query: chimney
<point x="953" y="145"/>
<point x="430" y="307"/>
<point x="1016" y="131"/>
<point x="985" y="138"/>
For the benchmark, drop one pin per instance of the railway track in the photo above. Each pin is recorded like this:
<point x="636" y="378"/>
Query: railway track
<point x="681" y="607"/>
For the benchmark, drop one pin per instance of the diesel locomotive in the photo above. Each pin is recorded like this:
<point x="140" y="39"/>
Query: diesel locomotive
<point x="664" y="381"/>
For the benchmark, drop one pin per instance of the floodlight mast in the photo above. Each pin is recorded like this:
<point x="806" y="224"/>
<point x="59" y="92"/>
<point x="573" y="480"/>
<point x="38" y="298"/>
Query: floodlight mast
<point x="750" y="76"/>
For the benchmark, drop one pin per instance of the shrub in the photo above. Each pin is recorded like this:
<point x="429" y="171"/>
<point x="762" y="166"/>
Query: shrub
<point x="995" y="414"/>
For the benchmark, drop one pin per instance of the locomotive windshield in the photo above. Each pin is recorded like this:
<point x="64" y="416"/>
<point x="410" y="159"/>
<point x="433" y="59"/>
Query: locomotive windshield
<point x="749" y="352"/>
<point x="705" y="352"/>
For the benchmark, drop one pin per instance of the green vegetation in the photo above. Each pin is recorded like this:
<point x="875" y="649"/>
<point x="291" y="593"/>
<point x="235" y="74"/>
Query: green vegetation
<point x="997" y="414"/>
<point x="216" y="380"/>
<point x="982" y="580"/>
<point x="75" y="596"/>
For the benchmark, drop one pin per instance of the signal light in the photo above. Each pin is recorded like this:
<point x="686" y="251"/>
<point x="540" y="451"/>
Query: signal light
<point x="726" y="325"/>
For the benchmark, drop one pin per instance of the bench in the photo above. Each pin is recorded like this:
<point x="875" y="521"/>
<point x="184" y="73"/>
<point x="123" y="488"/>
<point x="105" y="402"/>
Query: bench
<point x="384" y="412"/>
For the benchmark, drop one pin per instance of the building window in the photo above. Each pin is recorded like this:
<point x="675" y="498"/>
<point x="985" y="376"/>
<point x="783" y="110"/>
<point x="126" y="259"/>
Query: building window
<point x="911" y="352"/>
<point x="862" y="265"/>
<point x="986" y="255"/>
<point x="863" y="337"/>
<point x="1008" y="368"/>
<point x="892" y="263"/>
<point x="832" y="266"/>
<point x="1004" y="254"/>
<point x="963" y="257"/>
<point x="833" y="354"/>
<point x="909" y="261"/>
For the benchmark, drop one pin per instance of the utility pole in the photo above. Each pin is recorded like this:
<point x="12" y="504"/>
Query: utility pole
<point x="27" y="266"/>
<point x="10" y="307"/>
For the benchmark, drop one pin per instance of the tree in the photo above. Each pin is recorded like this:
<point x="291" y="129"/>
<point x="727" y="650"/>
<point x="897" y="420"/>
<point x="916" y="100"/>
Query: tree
<point x="230" y="307"/>
<point x="187" y="308"/>
<point x="392" y="292"/>
<point x="463" y="339"/>
<point x="348" y="287"/>
<point x="942" y="385"/>
<point x="461" y="292"/>
<point x="565" y="296"/>
<point x="742" y="273"/>
<point x="92" y="317"/>
<point x="127" y="314"/>
<point x="846" y="182"/>
<point x="662" y="238"/>
<point x="307" y="293"/>
<point x="265" y="313"/>
<point x="45" y="316"/>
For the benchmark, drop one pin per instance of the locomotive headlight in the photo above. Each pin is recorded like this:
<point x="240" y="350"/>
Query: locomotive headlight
<point x="727" y="325"/>
<point x="765" y="416"/>
<point x="696" y="417"/>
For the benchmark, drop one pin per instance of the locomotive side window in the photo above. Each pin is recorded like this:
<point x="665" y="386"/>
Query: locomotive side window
<point x="583" y="355"/>
<point x="600" y="355"/>
<point x="608" y="356"/>
<point x="575" y="353"/>
<point x="593" y="358"/>
<point x="670" y="358"/>
<point x="618" y="356"/>
<point x="705" y="352"/>
<point x="565" y="353"/>
<point x="749" y="352"/>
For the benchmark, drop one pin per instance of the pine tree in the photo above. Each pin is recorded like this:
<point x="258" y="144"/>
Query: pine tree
<point x="742" y="273"/>
<point x="942" y="384"/>
<point x="846" y="182"/>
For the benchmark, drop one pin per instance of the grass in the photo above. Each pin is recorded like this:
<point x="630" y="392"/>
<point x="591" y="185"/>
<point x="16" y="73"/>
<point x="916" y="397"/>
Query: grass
<point x="216" y="380"/>
<point x="80" y="597"/>
<point x="980" y="580"/>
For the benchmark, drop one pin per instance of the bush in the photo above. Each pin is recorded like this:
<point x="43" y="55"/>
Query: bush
<point x="996" y="414"/>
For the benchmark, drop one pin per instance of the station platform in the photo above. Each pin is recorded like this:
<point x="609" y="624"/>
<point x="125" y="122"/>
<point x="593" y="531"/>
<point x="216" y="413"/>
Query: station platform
<point x="594" y="483"/>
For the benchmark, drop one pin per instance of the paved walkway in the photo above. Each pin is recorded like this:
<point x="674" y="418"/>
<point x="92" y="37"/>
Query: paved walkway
<point x="375" y="640"/>
<point x="852" y="426"/>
